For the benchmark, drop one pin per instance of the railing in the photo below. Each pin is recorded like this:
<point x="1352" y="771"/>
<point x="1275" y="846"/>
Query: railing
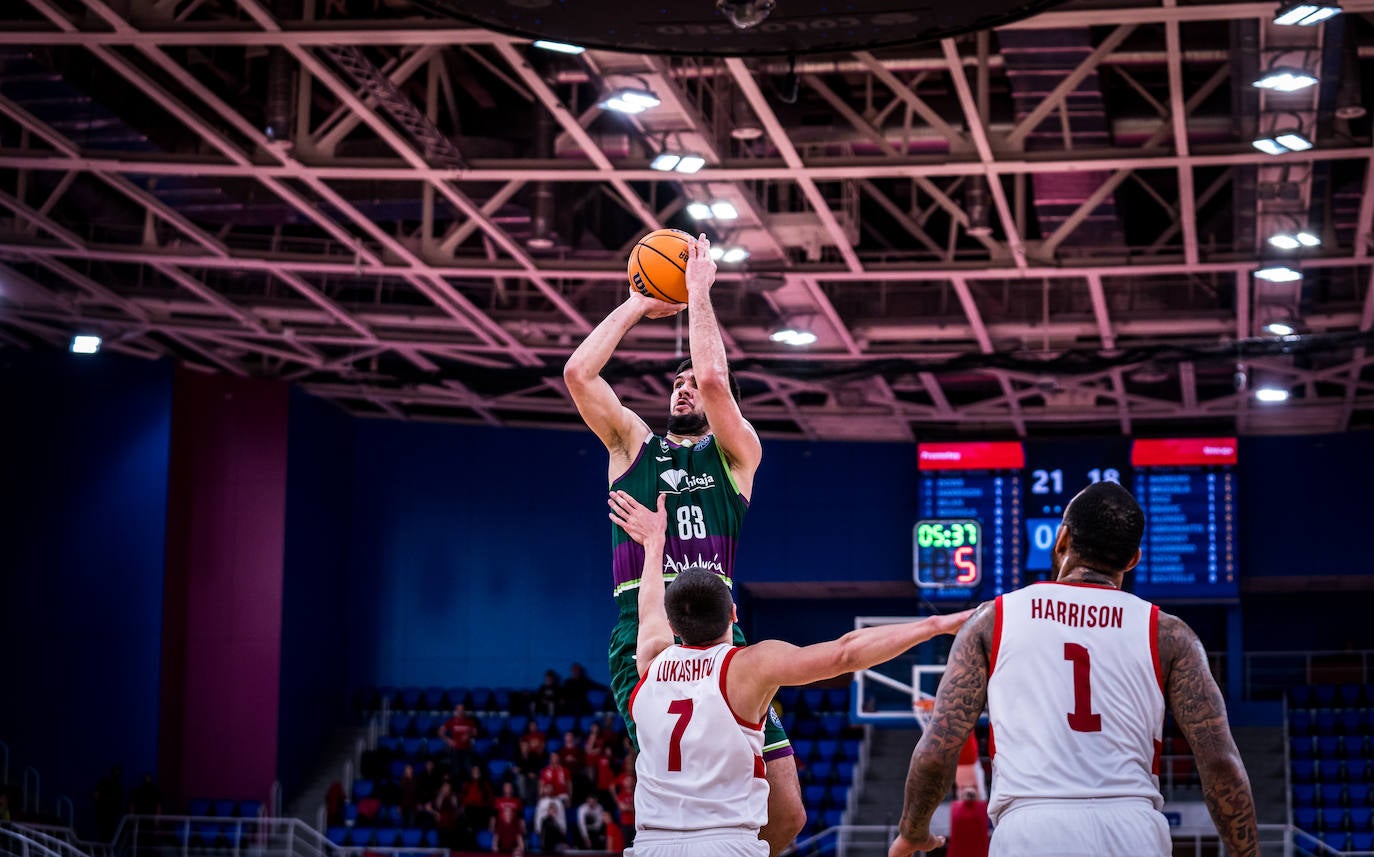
<point x="20" y="843"/>
<point x="1269" y="674"/>
<point x="65" y="837"/>
<point x="181" y="835"/>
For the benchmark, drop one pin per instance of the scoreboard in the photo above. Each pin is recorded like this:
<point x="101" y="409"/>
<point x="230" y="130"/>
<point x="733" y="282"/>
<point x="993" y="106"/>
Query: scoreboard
<point x="989" y="513"/>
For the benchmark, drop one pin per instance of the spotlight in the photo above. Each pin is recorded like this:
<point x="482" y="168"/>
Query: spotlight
<point x="698" y="211"/>
<point x="1282" y="143"/>
<point x="1294" y="240"/>
<point x="1278" y="274"/>
<point x="1271" y="395"/>
<point x="690" y="164"/>
<point x="1285" y="79"/>
<point x="792" y="336"/>
<point x="85" y="344"/>
<point x="682" y="162"/>
<point x="630" y="101"/>
<point x="734" y="255"/>
<point x="1280" y="328"/>
<point x="559" y="47"/>
<point x="723" y="209"/>
<point x="1296" y="13"/>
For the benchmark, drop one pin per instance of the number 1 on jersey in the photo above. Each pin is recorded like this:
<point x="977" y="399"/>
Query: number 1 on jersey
<point x="683" y="709"/>
<point x="1081" y="719"/>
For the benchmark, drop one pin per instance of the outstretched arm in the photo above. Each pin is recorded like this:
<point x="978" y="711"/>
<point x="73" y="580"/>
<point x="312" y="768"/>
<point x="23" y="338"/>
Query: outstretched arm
<point x="1195" y="700"/>
<point x="962" y="696"/>
<point x="649" y="528"/>
<point x="733" y="432"/>
<point x="770" y="664"/>
<point x="619" y="428"/>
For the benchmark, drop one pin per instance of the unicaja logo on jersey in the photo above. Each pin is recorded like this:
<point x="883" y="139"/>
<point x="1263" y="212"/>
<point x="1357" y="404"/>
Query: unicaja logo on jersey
<point x="680" y="481"/>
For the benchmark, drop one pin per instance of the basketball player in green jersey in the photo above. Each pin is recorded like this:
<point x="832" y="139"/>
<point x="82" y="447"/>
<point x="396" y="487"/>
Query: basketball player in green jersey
<point x="705" y="463"/>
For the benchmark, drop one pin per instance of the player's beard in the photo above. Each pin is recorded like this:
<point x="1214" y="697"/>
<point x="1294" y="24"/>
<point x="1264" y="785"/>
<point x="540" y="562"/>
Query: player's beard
<point x="689" y="424"/>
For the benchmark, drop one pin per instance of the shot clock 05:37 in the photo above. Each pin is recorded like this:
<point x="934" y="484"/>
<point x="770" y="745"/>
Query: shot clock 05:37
<point x="949" y="552"/>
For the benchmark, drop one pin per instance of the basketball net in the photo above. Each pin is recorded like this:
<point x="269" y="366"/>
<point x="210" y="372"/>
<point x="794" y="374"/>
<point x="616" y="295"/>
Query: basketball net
<point x="923" y="707"/>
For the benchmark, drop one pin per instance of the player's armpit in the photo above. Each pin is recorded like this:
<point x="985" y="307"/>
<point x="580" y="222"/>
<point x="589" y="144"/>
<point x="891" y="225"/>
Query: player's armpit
<point x="1198" y="708"/>
<point x="961" y="699"/>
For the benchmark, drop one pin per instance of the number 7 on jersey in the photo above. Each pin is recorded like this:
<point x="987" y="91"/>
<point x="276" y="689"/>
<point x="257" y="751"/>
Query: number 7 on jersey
<point x="683" y="709"/>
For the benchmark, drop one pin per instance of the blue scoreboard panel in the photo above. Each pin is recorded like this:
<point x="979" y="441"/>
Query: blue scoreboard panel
<point x="964" y="483"/>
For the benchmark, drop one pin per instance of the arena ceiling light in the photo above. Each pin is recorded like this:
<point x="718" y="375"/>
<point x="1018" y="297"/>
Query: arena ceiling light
<point x="677" y="162"/>
<point x="1285" y="79"/>
<point x="1278" y="274"/>
<point x="729" y="255"/>
<point x="1295" y="13"/>
<point x="1271" y="395"/>
<point x="1283" y="142"/>
<point x="796" y="337"/>
<point x="698" y="211"/>
<point x="630" y="101"/>
<point x="85" y="344"/>
<point x="723" y="209"/>
<point x="1294" y="240"/>
<point x="559" y="47"/>
<point x="1280" y="328"/>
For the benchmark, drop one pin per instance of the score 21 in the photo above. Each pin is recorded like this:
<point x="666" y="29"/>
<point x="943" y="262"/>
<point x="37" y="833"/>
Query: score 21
<point x="1056" y="471"/>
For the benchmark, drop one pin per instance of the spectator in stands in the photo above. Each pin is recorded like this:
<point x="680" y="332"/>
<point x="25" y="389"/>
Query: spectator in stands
<point x="109" y="803"/>
<point x="5" y="807"/>
<point x="431" y="778"/>
<point x="508" y="798"/>
<point x="408" y="795"/>
<point x="145" y="798"/>
<point x="508" y="832"/>
<point x="575" y="691"/>
<point x="533" y="737"/>
<point x="476" y="798"/>
<point x="591" y="824"/>
<point x="571" y="755"/>
<point x="444" y="810"/>
<point x="548" y="697"/>
<point x="551" y="821"/>
<point x="458" y="732"/>
<point x="623" y="793"/>
<point x="968" y="825"/>
<point x="556" y="778"/>
<point x="334" y="800"/>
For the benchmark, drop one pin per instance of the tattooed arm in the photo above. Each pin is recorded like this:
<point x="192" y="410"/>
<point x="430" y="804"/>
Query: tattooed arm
<point x="962" y="696"/>
<point x="1195" y="700"/>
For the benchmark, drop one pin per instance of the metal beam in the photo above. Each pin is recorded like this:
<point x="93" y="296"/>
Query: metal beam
<point x="1187" y="199"/>
<point x="1061" y="90"/>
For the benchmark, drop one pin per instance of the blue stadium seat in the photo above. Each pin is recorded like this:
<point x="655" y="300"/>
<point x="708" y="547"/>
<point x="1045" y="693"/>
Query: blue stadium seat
<point x="833" y="817"/>
<point x="231" y="834"/>
<point x="397" y="768"/>
<point x="1299" y="722"/>
<point x="828" y="749"/>
<point x="813" y="699"/>
<point x="498" y="768"/>
<point x="517" y="724"/>
<point x="411" y="699"/>
<point x="399" y="724"/>
<point x="387" y="695"/>
<point x="584" y="723"/>
<point x="1358" y="818"/>
<point x="198" y="806"/>
<point x="363" y="788"/>
<point x="1304" y="795"/>
<point x="1328" y="747"/>
<point x="564" y="723"/>
<point x="821" y="771"/>
<point x="492" y="725"/>
<point x="1355" y="748"/>
<point x="224" y="809"/>
<point x="205" y="832"/>
<point x="481" y="699"/>
<point x="337" y="835"/>
<point x="837" y="699"/>
<point x="839" y="795"/>
<point x="1304" y="770"/>
<point x="1325" y="722"/>
<point x="500" y="699"/>
<point x="1306" y="818"/>
<point x="850" y="749"/>
<point x="788" y="696"/>
<point x="597" y="699"/>
<point x="1300" y="748"/>
<point x="390" y="815"/>
<point x="834" y="724"/>
<point x="411" y="837"/>
<point x="457" y="695"/>
<point x="1358" y="794"/>
<point x="427" y="725"/>
<point x="432" y="838"/>
<point x="249" y="809"/>
<point x="1335" y="841"/>
<point x="350" y="812"/>
<point x="484" y="840"/>
<point x="1349" y="722"/>
<point x="1362" y="842"/>
<point x="805" y="727"/>
<point x="803" y="748"/>
<point x="414" y="747"/>
<point x="1332" y="794"/>
<point x="483" y="746"/>
<point x="813" y="796"/>
<point x="435" y="699"/>
<point x="387" y="837"/>
<point x="1350" y="695"/>
<point x="844" y="772"/>
<point x="543" y="721"/>
<point x="390" y="743"/>
<point x="1300" y="696"/>
<point x="1324" y="695"/>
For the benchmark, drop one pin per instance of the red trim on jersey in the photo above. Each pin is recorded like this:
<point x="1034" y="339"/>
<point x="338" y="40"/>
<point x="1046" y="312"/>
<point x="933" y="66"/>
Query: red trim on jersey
<point x="724" y="667"/>
<point x="760" y="769"/>
<point x="1157" y="765"/>
<point x="996" y="634"/>
<point x="630" y="706"/>
<point x="1076" y="583"/>
<point x="1154" y="646"/>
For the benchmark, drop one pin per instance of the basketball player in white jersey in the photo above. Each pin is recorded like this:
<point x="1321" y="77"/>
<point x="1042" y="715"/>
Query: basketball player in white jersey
<point x="701" y="787"/>
<point x="1076" y="675"/>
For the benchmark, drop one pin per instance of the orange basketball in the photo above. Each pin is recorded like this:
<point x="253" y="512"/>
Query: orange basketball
<point x="658" y="265"/>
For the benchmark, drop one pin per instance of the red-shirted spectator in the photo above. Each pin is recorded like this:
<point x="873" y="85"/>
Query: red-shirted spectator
<point x="445" y="811"/>
<point x="408" y="795"/>
<point x="572" y="757"/>
<point x="605" y="775"/>
<point x="594" y="746"/>
<point x="458" y="732"/>
<point x="476" y="798"/>
<point x="534" y="739"/>
<point x="508" y="798"/>
<point x="556" y="778"/>
<point x="623" y="792"/>
<point x="968" y="826"/>
<point x="508" y="832"/>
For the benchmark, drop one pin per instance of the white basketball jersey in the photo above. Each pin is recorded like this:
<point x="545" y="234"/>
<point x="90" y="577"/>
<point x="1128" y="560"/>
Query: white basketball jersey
<point x="1075" y="694"/>
<point x="699" y="766"/>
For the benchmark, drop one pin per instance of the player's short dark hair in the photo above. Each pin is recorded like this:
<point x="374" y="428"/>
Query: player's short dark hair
<point x="1105" y="524"/>
<point x="699" y="605"/>
<point x="734" y="384"/>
